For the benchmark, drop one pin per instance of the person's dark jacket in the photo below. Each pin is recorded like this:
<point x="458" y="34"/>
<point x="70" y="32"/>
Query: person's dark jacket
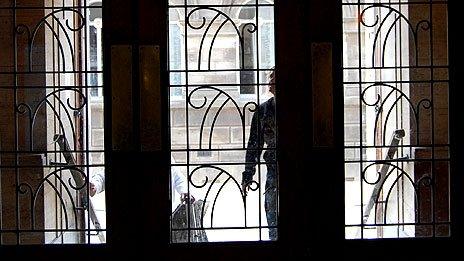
<point x="263" y="131"/>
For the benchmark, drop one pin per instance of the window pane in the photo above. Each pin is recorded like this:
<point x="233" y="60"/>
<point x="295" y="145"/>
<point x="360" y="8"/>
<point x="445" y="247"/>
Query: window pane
<point x="215" y="143"/>
<point x="396" y="119"/>
<point x="51" y="127"/>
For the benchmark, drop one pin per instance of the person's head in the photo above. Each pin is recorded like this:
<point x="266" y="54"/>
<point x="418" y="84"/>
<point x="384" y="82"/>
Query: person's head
<point x="272" y="81"/>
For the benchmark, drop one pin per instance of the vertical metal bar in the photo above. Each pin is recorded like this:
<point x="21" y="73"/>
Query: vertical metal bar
<point x="78" y="120"/>
<point x="187" y="113"/>
<point x="58" y="71"/>
<point x="258" y="31"/>
<point x="15" y="98"/>
<point x="455" y="127"/>
<point x="169" y="118"/>
<point x="101" y="72"/>
<point x="87" y="127"/>
<point x="360" y="119"/>
<point x="379" y="136"/>
<point x="397" y="124"/>
<point x="432" y="114"/>
<point x="401" y="108"/>
<point x="56" y="129"/>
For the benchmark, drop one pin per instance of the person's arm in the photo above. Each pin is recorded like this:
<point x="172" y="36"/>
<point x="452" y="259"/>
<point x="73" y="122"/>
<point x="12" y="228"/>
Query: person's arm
<point x="253" y="153"/>
<point x="97" y="183"/>
<point x="179" y="183"/>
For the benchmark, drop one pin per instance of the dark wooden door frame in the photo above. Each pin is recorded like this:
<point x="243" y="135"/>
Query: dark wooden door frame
<point x="308" y="222"/>
<point x="137" y="194"/>
<point x="143" y="211"/>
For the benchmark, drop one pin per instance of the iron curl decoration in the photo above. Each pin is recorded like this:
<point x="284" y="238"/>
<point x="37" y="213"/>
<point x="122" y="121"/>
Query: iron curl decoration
<point x="380" y="107"/>
<point x="382" y="24"/>
<point x="24" y="189"/>
<point x="23" y="108"/>
<point x="83" y="176"/>
<point x="366" y="180"/>
<point x="253" y="185"/>
<point x="69" y="190"/>
<point x="250" y="106"/>
<point x="66" y="108"/>
<point x="250" y="28"/>
<point x="23" y="29"/>
<point x="425" y="181"/>
<point x="63" y="30"/>
<point x="401" y="174"/>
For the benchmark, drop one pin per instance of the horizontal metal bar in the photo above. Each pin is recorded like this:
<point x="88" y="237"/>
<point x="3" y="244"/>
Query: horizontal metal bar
<point x="399" y="224"/>
<point x="205" y="164"/>
<point x="54" y="165"/>
<point x="400" y="3"/>
<point x="221" y="228"/>
<point x="399" y="67"/>
<point x="397" y="160"/>
<point x="418" y="81"/>
<point x="224" y="149"/>
<point x="346" y="147"/>
<point x="47" y="72"/>
<point x="221" y="70"/>
<point x="399" y="146"/>
<point x="19" y="87"/>
<point x="232" y="5"/>
<point x="47" y="151"/>
<point x="19" y="231"/>
<point x="49" y="7"/>
<point x="219" y="84"/>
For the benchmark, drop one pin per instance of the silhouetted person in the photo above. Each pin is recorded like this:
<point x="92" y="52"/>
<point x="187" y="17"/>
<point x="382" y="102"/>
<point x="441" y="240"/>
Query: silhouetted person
<point x="262" y="132"/>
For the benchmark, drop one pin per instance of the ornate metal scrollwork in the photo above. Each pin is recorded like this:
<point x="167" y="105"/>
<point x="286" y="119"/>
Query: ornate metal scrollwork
<point x="253" y="186"/>
<point x="424" y="181"/>
<point x="251" y="106"/>
<point x="25" y="188"/>
<point x="380" y="104"/>
<point x="31" y="113"/>
<point x="208" y="101"/>
<point x="62" y="30"/>
<point x="381" y="22"/>
<point x="62" y="109"/>
<point x="249" y="27"/>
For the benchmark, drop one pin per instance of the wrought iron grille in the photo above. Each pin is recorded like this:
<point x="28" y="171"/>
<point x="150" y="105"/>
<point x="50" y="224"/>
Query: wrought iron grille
<point x="396" y="119"/>
<point x="51" y="122"/>
<point x="221" y="57"/>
